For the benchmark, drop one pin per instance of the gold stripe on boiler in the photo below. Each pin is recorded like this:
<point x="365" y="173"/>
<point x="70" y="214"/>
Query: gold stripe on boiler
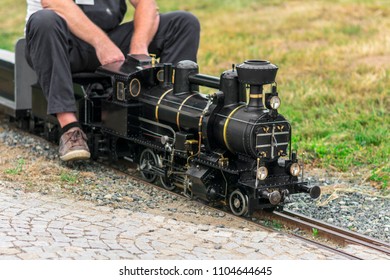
<point x="159" y="101"/>
<point x="226" y="126"/>
<point x="178" y="111"/>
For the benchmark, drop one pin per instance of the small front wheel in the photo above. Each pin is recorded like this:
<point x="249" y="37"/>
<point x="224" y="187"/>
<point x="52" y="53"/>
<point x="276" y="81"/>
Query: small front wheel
<point x="238" y="203"/>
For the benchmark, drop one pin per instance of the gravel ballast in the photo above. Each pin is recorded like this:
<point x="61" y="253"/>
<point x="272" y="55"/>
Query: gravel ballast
<point x="355" y="206"/>
<point x="34" y="163"/>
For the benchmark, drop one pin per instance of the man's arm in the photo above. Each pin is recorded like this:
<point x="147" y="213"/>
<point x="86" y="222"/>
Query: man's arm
<point x="82" y="27"/>
<point x="146" y="21"/>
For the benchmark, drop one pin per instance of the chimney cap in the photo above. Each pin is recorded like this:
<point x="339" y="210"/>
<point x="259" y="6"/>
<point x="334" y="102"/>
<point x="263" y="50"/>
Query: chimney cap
<point x="257" y="72"/>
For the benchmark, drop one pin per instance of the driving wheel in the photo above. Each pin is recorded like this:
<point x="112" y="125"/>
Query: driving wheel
<point x="147" y="162"/>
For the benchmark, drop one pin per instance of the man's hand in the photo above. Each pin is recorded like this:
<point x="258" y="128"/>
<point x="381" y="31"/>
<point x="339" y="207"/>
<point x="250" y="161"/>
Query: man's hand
<point x="108" y="52"/>
<point x="82" y="27"/>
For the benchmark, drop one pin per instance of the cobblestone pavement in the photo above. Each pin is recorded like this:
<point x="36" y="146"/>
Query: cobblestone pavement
<point x="36" y="226"/>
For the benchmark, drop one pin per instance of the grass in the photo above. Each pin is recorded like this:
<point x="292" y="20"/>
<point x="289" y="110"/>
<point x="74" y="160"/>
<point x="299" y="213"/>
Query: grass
<point x="334" y="69"/>
<point x="273" y="224"/>
<point x="69" y="178"/>
<point x="17" y="169"/>
<point x="315" y="232"/>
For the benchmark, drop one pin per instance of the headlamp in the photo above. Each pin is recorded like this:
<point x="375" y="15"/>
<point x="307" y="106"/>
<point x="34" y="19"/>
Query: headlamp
<point x="295" y="169"/>
<point x="273" y="102"/>
<point x="262" y="173"/>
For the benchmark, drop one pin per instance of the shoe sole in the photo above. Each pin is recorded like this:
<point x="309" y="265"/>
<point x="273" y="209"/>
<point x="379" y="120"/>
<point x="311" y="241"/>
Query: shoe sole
<point x="76" y="155"/>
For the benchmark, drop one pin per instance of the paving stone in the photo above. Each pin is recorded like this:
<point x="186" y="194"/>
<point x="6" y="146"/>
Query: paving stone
<point x="40" y="244"/>
<point x="56" y="224"/>
<point x="9" y="257"/>
<point x="97" y="244"/>
<point x="223" y="234"/>
<point x="109" y="235"/>
<point x="49" y="256"/>
<point x="19" y="225"/>
<point x="28" y="256"/>
<point x="231" y="245"/>
<point x="27" y="238"/>
<point x="61" y="238"/>
<point x="55" y="246"/>
<point x="78" y="225"/>
<point x="148" y="256"/>
<point x="18" y="232"/>
<point x="269" y="253"/>
<point x="311" y="256"/>
<point x="122" y="254"/>
<point x="48" y="227"/>
<point x="80" y="242"/>
<point x="284" y="257"/>
<point x="9" y="251"/>
<point x="19" y="243"/>
<point x="33" y="250"/>
<point x="245" y="250"/>
<point x="113" y="245"/>
<point x="7" y="239"/>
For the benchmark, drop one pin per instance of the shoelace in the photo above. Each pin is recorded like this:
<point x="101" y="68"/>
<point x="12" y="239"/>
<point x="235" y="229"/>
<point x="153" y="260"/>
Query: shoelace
<point x="75" y="137"/>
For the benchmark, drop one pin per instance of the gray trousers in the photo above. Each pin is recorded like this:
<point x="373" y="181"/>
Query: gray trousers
<point x="55" y="53"/>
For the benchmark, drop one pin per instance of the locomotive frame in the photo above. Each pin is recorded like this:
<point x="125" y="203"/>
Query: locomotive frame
<point x="230" y="147"/>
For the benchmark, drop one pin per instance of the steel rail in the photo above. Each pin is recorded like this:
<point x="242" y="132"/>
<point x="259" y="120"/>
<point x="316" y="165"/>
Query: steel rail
<point x="331" y="231"/>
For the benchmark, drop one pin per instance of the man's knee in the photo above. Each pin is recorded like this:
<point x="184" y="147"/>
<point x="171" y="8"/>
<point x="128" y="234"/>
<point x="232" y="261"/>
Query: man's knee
<point x="44" y="22"/>
<point x="188" y="20"/>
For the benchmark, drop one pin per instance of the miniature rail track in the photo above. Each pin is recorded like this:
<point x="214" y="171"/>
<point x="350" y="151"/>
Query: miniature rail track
<point x="328" y="231"/>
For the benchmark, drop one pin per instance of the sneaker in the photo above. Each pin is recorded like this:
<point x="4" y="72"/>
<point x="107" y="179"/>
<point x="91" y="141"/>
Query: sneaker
<point x="73" y="145"/>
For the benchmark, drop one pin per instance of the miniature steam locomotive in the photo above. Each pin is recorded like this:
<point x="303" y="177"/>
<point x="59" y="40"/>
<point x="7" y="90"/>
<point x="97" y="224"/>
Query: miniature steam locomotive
<point x="230" y="146"/>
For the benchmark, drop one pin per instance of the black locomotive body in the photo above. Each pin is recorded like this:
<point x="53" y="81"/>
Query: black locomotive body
<point x="230" y="146"/>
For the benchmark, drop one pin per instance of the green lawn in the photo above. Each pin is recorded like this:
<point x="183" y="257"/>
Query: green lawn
<point x="334" y="71"/>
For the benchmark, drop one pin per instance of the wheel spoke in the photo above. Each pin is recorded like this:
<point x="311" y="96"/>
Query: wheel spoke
<point x="147" y="161"/>
<point x="166" y="183"/>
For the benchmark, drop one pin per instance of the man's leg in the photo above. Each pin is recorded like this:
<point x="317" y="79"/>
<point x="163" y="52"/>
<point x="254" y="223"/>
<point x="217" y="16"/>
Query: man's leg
<point x="49" y="48"/>
<point x="177" y="37"/>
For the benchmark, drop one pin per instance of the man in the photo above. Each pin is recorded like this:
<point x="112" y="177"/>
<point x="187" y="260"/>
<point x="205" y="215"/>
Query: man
<point x="66" y="36"/>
